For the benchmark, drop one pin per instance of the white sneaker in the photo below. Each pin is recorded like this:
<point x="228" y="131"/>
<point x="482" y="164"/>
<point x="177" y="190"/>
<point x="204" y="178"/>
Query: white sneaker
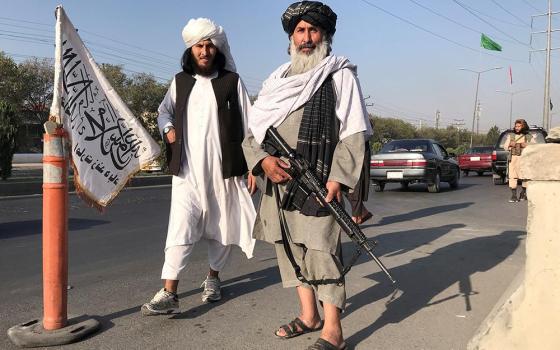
<point x="212" y="290"/>
<point x="162" y="303"/>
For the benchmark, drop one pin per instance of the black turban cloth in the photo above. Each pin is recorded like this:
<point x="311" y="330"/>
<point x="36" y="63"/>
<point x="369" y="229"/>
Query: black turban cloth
<point x="312" y="12"/>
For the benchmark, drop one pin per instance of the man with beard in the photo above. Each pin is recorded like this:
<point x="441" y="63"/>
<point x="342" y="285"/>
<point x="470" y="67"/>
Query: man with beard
<point x="316" y="104"/>
<point x="203" y="120"/>
<point x="515" y="143"/>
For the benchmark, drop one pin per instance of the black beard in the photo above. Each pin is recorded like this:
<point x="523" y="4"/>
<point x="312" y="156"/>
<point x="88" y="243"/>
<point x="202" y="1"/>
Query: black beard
<point x="205" y="71"/>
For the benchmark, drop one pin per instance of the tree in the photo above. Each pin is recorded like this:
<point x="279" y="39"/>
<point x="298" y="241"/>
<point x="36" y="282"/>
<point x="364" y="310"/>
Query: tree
<point x="492" y="135"/>
<point x="37" y="77"/>
<point x="10" y="83"/>
<point x="8" y="131"/>
<point x="116" y="77"/>
<point x="387" y="129"/>
<point x="376" y="147"/>
<point x="144" y="94"/>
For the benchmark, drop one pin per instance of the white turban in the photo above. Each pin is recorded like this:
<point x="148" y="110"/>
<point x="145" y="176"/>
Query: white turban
<point x="200" y="29"/>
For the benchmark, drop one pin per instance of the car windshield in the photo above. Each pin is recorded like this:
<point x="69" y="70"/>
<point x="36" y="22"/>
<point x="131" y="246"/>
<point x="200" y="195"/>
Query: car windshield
<point x="483" y="150"/>
<point x="406" y="146"/>
<point x="537" y="137"/>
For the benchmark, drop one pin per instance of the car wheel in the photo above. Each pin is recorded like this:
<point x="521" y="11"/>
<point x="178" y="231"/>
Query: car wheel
<point x="480" y="173"/>
<point x="454" y="183"/>
<point x="404" y="185"/>
<point x="379" y="186"/>
<point x="434" y="187"/>
<point x="466" y="172"/>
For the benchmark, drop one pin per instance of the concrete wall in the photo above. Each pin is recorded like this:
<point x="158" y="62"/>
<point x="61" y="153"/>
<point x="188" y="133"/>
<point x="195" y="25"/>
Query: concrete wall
<point x="528" y="316"/>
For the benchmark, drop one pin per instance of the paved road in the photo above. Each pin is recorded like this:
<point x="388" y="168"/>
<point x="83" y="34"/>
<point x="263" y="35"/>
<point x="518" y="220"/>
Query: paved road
<point x="453" y="253"/>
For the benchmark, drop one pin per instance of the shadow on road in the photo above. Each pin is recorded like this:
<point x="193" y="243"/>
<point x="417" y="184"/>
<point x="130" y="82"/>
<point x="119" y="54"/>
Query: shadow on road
<point x="235" y="288"/>
<point x="396" y="243"/>
<point x="34" y="227"/>
<point x="231" y="289"/>
<point x="420" y="213"/>
<point x="424" y="278"/>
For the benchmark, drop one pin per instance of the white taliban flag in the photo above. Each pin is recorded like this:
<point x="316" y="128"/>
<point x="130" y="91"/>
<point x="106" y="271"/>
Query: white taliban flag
<point x="107" y="143"/>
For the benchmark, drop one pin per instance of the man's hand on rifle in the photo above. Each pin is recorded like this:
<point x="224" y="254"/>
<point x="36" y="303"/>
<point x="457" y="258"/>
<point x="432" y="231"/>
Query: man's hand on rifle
<point x="334" y="191"/>
<point x="273" y="168"/>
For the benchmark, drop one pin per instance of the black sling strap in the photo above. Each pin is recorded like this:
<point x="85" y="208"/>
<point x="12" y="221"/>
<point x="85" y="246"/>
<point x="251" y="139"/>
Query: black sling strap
<point x="286" y="243"/>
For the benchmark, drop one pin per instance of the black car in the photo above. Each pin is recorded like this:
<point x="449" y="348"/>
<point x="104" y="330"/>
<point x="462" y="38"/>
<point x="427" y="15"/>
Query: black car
<point x="414" y="160"/>
<point x="500" y="154"/>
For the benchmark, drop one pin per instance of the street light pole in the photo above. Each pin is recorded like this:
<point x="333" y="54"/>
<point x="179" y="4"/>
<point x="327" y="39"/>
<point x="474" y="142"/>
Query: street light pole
<point x="511" y="94"/>
<point x="478" y="73"/>
<point x="475" y="103"/>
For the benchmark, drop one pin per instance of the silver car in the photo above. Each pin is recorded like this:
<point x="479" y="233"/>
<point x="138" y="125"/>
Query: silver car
<point x="411" y="161"/>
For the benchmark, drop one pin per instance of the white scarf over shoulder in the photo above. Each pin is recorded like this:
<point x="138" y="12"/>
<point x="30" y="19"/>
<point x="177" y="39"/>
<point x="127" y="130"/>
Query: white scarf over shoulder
<point x="282" y="95"/>
<point x="204" y="29"/>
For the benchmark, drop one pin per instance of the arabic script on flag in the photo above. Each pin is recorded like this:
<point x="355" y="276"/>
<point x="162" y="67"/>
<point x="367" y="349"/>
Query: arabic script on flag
<point x="108" y="144"/>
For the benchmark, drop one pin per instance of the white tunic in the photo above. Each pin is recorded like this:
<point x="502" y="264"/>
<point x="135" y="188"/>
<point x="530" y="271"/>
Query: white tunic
<point x="203" y="203"/>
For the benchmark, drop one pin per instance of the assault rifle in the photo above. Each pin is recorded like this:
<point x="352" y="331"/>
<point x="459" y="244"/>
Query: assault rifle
<point x="300" y="168"/>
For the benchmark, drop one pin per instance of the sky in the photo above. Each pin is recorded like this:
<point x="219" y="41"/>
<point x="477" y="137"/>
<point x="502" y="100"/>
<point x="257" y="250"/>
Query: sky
<point x="408" y="52"/>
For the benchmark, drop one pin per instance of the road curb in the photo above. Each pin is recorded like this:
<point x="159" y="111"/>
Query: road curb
<point x="11" y="188"/>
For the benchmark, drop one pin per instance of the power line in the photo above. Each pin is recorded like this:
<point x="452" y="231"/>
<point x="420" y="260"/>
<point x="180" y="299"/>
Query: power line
<point x="530" y="5"/>
<point x="493" y="18"/>
<point x="33" y="38"/>
<point x="91" y="33"/>
<point x="456" y="22"/>
<point x="150" y="59"/>
<point x="26" y="27"/>
<point x="48" y="37"/>
<point x="471" y="11"/>
<point x="435" y="34"/>
<point x="511" y="13"/>
<point x="11" y="54"/>
<point x="24" y="21"/>
<point x="26" y="39"/>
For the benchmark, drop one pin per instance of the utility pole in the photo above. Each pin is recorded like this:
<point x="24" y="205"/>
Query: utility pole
<point x="478" y="117"/>
<point x="458" y="123"/>
<point x="437" y="119"/>
<point x="548" y="32"/>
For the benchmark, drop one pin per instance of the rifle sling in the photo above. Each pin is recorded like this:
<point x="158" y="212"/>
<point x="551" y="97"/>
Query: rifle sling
<point x="286" y="243"/>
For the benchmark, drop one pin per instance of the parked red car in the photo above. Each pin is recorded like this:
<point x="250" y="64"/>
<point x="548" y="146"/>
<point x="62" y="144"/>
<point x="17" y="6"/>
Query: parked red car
<point x="478" y="159"/>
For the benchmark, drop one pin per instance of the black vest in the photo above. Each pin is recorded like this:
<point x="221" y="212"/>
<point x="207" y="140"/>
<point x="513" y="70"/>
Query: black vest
<point x="230" y="122"/>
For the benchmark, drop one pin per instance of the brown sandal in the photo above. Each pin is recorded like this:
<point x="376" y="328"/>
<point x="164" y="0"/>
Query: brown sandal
<point x="291" y="329"/>
<point x="322" y="344"/>
<point x="364" y="218"/>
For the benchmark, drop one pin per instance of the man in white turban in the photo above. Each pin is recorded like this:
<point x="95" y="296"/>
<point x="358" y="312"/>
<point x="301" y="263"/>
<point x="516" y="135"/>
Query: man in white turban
<point x="203" y="120"/>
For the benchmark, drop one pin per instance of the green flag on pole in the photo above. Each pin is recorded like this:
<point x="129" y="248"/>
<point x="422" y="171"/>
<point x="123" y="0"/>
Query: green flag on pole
<point x="489" y="44"/>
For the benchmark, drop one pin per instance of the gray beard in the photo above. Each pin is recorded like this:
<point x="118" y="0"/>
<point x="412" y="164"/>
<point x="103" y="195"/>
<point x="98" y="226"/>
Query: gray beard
<point x="302" y="62"/>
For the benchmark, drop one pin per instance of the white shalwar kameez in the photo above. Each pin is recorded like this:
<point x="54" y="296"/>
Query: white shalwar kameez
<point x="203" y="203"/>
